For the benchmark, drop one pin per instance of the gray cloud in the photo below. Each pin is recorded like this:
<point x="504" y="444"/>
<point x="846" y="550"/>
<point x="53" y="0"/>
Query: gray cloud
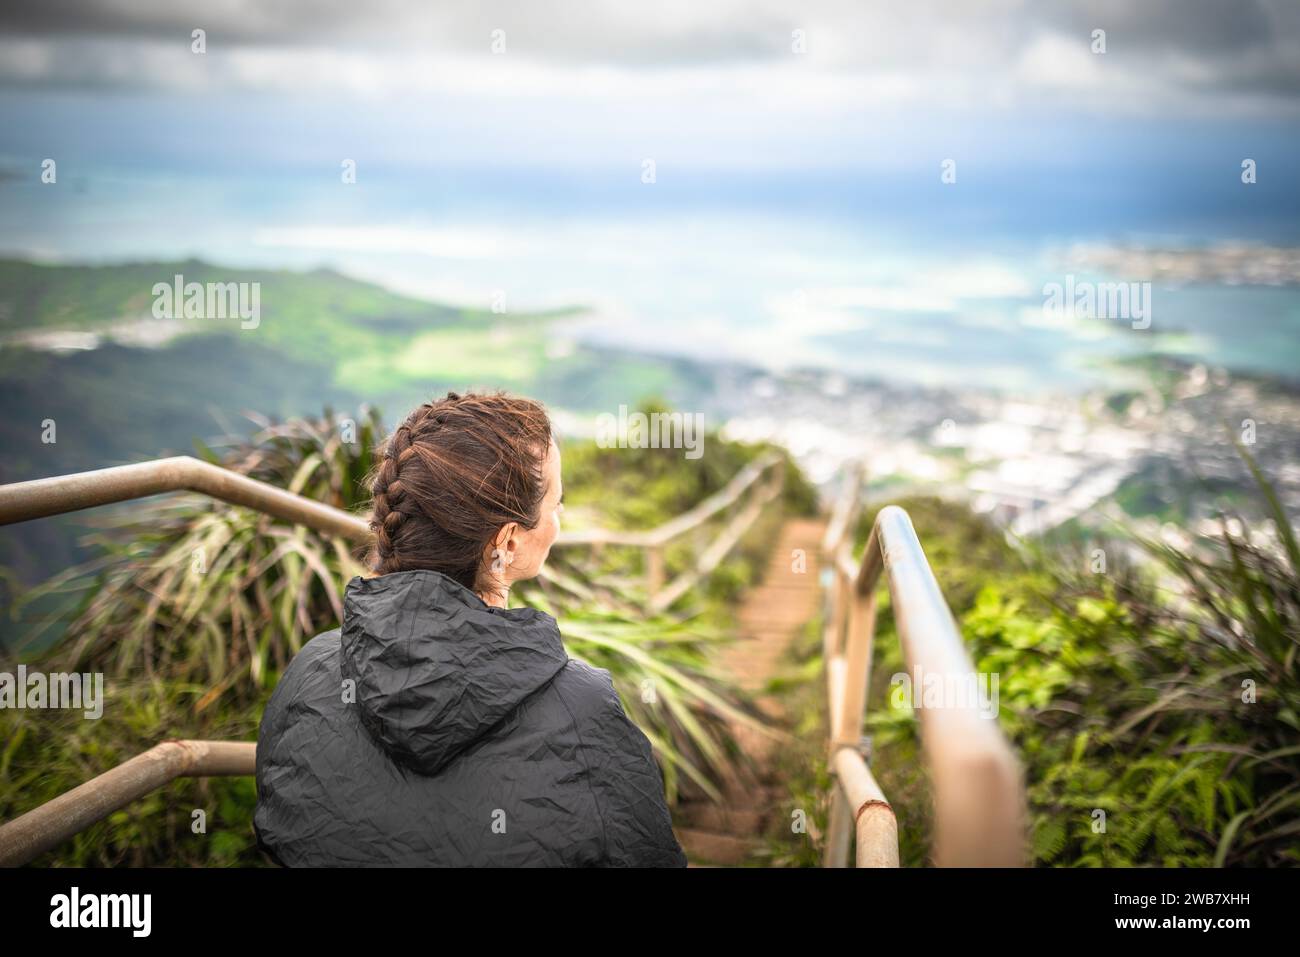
<point x="667" y="31"/>
<point x="1202" y="27"/>
<point x="1199" y="47"/>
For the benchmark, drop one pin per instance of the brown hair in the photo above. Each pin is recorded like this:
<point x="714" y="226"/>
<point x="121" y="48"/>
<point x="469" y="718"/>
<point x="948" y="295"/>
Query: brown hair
<point x="451" y="475"/>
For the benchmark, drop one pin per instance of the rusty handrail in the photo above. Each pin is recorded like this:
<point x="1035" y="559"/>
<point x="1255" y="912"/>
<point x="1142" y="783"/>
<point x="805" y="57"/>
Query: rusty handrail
<point x="59" y="494"/>
<point x="40" y="498"/>
<point x="47" y="826"/>
<point x="977" y="784"/>
<point x="679" y="525"/>
<point x="660" y="595"/>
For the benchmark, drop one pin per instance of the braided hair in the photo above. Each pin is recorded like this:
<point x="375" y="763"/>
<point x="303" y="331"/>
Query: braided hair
<point x="450" y="476"/>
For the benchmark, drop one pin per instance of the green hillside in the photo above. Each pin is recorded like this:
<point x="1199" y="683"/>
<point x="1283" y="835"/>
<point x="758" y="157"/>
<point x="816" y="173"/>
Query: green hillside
<point x="323" y="340"/>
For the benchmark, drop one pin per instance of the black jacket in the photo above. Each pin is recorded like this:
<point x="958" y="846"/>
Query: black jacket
<point x="435" y="730"/>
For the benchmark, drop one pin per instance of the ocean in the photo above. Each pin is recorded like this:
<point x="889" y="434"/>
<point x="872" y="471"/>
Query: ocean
<point x="894" y="275"/>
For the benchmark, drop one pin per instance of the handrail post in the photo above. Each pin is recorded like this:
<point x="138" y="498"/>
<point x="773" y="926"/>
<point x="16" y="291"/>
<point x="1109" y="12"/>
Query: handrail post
<point x="875" y="826"/>
<point x="850" y="678"/>
<point x="857" y="670"/>
<point x="654" y="571"/>
<point x="833" y="627"/>
<point x="837" y="830"/>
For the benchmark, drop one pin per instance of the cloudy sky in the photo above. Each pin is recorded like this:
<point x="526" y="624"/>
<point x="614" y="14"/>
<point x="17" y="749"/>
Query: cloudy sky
<point x="1161" y="54"/>
<point x="1166" y="56"/>
<point x="711" y="82"/>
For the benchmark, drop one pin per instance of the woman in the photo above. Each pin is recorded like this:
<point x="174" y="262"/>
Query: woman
<point x="437" y="726"/>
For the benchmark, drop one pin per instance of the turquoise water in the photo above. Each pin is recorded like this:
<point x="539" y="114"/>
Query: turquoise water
<point x="890" y="278"/>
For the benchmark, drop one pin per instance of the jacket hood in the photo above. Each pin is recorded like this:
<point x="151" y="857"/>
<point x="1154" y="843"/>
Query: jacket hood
<point x="435" y="667"/>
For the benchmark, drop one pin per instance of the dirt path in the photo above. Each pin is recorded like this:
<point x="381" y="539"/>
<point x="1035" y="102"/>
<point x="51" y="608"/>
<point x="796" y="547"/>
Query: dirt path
<point x="768" y="620"/>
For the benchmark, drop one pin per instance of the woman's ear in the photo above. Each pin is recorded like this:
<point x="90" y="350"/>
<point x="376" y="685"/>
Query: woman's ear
<point x="503" y="548"/>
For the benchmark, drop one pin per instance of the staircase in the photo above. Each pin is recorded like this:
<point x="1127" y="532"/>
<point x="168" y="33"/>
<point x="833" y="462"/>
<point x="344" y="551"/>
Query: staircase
<point x="726" y="834"/>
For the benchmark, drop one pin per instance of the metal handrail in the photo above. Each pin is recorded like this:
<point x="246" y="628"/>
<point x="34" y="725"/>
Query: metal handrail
<point x="47" y="826"/>
<point x="976" y="780"/>
<point x="661" y="595"/>
<point x="679" y="525"/>
<point x="56" y="495"/>
<point x="40" y="498"/>
<point x="59" y="494"/>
